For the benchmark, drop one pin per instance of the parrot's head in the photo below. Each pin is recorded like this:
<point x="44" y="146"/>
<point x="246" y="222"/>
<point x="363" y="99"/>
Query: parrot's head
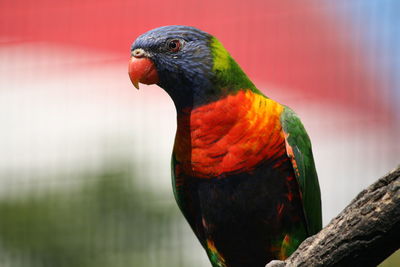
<point x="192" y="66"/>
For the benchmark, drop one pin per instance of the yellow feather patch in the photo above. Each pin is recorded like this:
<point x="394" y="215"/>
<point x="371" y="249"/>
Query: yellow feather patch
<point x="221" y="56"/>
<point x="215" y="256"/>
<point x="286" y="242"/>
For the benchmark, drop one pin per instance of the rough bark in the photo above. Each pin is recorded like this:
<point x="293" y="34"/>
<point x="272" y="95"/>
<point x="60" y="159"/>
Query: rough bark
<point x="365" y="233"/>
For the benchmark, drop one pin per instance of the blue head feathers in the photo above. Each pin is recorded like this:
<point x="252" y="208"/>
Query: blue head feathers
<point x="192" y="66"/>
<point x="184" y="71"/>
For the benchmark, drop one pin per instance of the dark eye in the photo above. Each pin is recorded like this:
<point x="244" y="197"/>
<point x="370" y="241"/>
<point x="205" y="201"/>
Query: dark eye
<point x="174" y="45"/>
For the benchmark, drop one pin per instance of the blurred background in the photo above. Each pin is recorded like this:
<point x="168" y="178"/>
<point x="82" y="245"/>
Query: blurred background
<point x="85" y="157"/>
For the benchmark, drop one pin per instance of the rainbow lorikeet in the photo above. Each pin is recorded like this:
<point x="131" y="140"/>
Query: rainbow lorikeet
<point x="242" y="167"/>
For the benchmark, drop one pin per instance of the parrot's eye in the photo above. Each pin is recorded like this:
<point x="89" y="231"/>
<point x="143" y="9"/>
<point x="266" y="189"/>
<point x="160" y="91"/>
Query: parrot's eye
<point x="174" y="45"/>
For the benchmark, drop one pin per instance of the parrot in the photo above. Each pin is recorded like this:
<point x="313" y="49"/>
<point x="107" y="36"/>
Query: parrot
<point x="243" y="172"/>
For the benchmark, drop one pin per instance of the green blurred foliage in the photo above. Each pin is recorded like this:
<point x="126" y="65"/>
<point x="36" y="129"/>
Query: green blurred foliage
<point x="106" y="221"/>
<point x="392" y="261"/>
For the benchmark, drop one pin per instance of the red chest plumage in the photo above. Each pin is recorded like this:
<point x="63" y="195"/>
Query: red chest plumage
<point x="230" y="135"/>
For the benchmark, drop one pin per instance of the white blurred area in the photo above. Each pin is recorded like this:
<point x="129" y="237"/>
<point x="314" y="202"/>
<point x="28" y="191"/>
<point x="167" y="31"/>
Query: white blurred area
<point x="68" y="110"/>
<point x="65" y="109"/>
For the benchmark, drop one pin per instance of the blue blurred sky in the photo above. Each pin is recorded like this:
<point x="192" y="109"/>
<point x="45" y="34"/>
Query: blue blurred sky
<point x="376" y="23"/>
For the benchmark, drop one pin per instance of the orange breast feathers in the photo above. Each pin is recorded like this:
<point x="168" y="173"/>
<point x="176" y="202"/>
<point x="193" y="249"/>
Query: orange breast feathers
<point x="231" y="135"/>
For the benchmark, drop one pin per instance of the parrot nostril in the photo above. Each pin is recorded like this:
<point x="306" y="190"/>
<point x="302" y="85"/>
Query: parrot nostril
<point x="138" y="53"/>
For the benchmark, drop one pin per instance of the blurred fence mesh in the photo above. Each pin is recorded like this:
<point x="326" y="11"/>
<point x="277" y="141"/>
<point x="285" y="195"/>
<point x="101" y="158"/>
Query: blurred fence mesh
<point x="84" y="157"/>
<point x="103" y="220"/>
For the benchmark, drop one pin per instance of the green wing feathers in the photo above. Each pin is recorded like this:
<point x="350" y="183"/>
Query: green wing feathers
<point x="298" y="147"/>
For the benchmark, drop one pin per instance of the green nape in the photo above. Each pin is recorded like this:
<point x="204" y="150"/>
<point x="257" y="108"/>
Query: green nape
<point x="228" y="74"/>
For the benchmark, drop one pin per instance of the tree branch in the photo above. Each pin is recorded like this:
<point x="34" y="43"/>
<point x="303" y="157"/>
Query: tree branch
<point x="365" y="233"/>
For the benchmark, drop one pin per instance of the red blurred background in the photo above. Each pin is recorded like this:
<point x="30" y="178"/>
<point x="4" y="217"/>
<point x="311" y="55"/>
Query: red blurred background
<point x="302" y="46"/>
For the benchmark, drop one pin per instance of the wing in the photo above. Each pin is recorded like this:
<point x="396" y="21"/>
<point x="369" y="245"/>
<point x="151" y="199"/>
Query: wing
<point x="298" y="148"/>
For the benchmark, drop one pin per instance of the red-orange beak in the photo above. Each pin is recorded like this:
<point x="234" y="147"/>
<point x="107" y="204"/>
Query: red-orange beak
<point x="142" y="70"/>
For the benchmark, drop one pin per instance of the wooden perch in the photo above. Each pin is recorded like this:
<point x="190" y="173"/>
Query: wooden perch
<point x="365" y="233"/>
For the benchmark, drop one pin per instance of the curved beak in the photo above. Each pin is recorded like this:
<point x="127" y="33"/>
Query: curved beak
<point x="142" y="70"/>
